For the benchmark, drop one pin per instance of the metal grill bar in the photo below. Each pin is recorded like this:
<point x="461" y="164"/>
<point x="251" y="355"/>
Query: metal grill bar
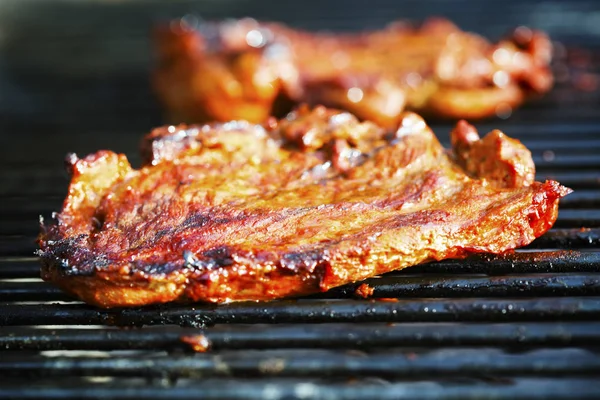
<point x="581" y="199"/>
<point x="552" y="159"/>
<point x="568" y="238"/>
<point x="14" y="268"/>
<point x="574" y="180"/>
<point x="312" y="311"/>
<point x="570" y="161"/>
<point x="590" y="145"/>
<point x="501" y="286"/>
<point x="569" y="218"/>
<point x="327" y="336"/>
<point x="298" y="389"/>
<point x="17" y="245"/>
<point x="392" y="363"/>
<point x="522" y="262"/>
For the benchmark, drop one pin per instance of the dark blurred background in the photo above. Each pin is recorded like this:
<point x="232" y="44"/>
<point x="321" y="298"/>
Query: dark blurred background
<point x="82" y="66"/>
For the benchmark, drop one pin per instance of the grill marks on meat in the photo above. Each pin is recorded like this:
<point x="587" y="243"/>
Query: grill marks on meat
<point x="249" y="70"/>
<point x="235" y="211"/>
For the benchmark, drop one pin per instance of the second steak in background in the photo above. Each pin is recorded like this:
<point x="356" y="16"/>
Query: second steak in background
<point x="248" y="70"/>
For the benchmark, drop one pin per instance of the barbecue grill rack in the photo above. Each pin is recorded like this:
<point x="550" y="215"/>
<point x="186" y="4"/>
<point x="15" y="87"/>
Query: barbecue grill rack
<point x="523" y="325"/>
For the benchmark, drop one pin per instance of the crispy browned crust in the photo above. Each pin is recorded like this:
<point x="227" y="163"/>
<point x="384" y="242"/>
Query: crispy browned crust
<point x="235" y="211"/>
<point x="249" y="70"/>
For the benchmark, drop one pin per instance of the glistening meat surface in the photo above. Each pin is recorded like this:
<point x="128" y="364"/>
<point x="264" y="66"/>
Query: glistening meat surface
<point x="235" y="211"/>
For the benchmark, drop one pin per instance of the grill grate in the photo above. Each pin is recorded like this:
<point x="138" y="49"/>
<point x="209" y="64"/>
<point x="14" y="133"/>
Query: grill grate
<point x="518" y="326"/>
<point x="299" y="389"/>
<point x="521" y="325"/>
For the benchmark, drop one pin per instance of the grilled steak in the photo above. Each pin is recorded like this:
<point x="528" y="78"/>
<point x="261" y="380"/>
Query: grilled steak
<point x="249" y="70"/>
<point x="236" y="211"/>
